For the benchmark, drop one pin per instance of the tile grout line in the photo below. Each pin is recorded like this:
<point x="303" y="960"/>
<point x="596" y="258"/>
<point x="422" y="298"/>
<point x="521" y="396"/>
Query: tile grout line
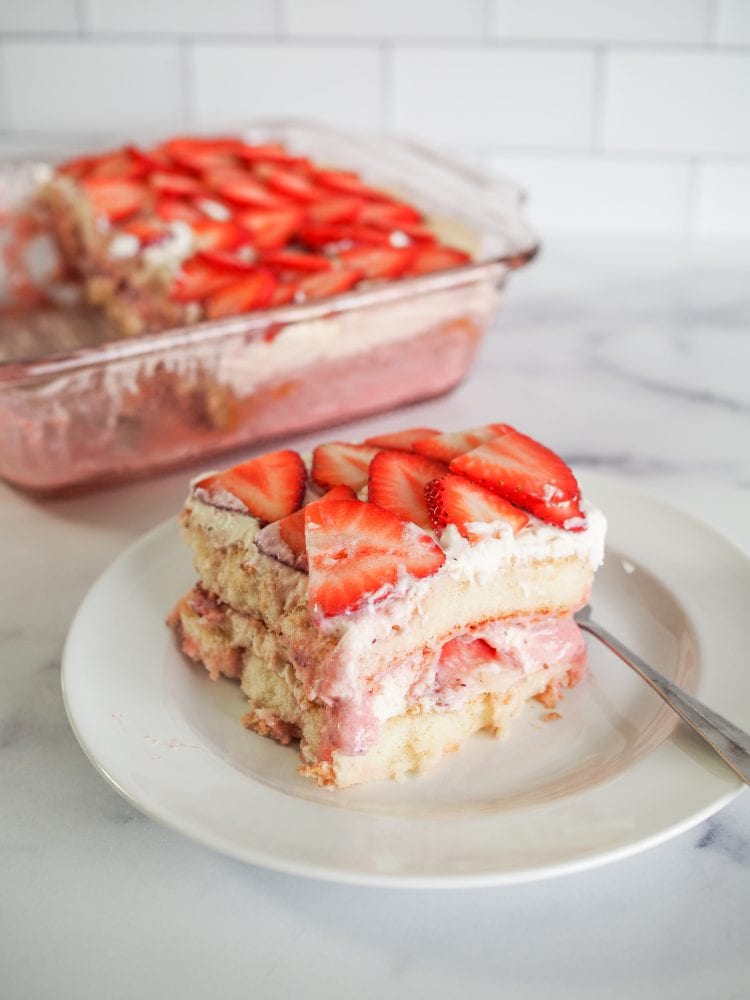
<point x="599" y="101"/>
<point x="280" y="18"/>
<point x="711" y="25"/>
<point x="83" y="18"/>
<point x="525" y="45"/>
<point x="187" y="80"/>
<point x="692" y="196"/>
<point x="387" y="101"/>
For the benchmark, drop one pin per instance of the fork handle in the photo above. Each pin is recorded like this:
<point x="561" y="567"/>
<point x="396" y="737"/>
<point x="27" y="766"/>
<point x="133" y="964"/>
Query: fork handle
<point x="730" y="742"/>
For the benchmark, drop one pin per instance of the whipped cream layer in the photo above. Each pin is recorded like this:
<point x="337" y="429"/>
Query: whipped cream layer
<point x="540" y="570"/>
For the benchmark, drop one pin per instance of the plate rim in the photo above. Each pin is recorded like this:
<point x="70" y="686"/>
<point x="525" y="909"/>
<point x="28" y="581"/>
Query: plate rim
<point x="382" y="879"/>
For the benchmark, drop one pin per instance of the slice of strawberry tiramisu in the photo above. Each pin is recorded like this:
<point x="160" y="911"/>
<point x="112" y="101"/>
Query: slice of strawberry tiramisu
<point x="384" y="600"/>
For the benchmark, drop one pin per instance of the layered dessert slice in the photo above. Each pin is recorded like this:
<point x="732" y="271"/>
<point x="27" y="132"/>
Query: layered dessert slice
<point x="202" y="228"/>
<point x="384" y="600"/>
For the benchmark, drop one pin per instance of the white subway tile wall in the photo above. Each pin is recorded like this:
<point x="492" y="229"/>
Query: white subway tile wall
<point x="617" y="116"/>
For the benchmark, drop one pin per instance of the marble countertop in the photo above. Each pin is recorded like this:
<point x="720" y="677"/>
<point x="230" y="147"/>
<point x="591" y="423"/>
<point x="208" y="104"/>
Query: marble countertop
<point x="629" y="357"/>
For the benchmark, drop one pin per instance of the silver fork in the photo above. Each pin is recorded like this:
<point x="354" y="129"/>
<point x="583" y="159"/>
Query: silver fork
<point x="730" y="742"/>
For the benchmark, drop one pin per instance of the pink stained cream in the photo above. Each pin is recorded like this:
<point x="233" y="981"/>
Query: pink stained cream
<point x="487" y="660"/>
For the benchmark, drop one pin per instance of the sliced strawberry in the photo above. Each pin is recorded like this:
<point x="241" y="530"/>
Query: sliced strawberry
<point x="526" y="473"/>
<point x="228" y="261"/>
<point x="253" y="291"/>
<point x="283" y="293"/>
<point x="446" y="447"/>
<point x="337" y="235"/>
<point x="118" y="164"/>
<point x="379" y="262"/>
<point x="397" y="482"/>
<point x="334" y="210"/>
<point x="288" y="182"/>
<point x="461" y="656"/>
<point x="285" y="540"/>
<point x="455" y="500"/>
<point x="417" y="232"/>
<point x="270" y="487"/>
<point x="173" y="209"/>
<point x="401" y="440"/>
<point x="113" y="197"/>
<point x="147" y="233"/>
<point x="201" y="155"/>
<point x="271" y="152"/>
<point x="291" y="260"/>
<point x="356" y="549"/>
<point x="271" y="229"/>
<point x="78" y="167"/>
<point x="387" y="215"/>
<point x="149" y="160"/>
<point x="437" y="258"/>
<point x="320" y="286"/>
<point x="346" y="182"/>
<point x="338" y="463"/>
<point x="242" y="188"/>
<point x="200" y="277"/>
<point x="174" y="185"/>
<point x="211" y="235"/>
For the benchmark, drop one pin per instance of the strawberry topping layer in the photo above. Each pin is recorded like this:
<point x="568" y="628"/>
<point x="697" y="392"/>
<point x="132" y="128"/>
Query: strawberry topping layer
<point x="250" y="199"/>
<point x="353" y="548"/>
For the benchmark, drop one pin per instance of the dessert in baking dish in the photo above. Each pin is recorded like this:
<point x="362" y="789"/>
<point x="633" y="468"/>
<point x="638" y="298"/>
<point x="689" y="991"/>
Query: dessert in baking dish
<point x="382" y="601"/>
<point x="199" y="228"/>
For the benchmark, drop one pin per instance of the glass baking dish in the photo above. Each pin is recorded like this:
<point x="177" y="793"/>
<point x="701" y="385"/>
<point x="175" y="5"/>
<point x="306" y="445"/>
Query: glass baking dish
<point x="81" y="407"/>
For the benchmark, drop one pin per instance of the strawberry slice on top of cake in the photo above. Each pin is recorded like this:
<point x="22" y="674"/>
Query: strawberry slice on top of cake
<point x="381" y="601"/>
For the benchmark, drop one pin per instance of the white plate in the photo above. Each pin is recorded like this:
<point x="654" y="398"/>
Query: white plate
<point x="613" y="776"/>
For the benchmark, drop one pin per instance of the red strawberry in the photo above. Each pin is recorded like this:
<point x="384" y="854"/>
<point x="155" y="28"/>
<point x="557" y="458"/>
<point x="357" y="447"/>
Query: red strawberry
<point x="228" y="261"/>
<point x="526" y="473"/>
<point x="283" y="294"/>
<point x="334" y="210"/>
<point x="446" y="447"/>
<point x="379" y="262"/>
<point x="401" y="440"/>
<point x="356" y="549"/>
<point x="113" y="197"/>
<point x="328" y="234"/>
<point x="271" y="152"/>
<point x="199" y="154"/>
<point x="119" y="164"/>
<point x="271" y="229"/>
<point x="417" y="232"/>
<point x="172" y="209"/>
<point x="290" y="260"/>
<point x="387" y="215"/>
<point x="346" y="182"/>
<point x="78" y="167"/>
<point x="175" y="185"/>
<point x="146" y="233"/>
<point x="269" y="487"/>
<point x="339" y="462"/>
<point x="243" y="189"/>
<point x="211" y="235"/>
<point x="397" y="482"/>
<point x="320" y="286"/>
<point x="288" y="182"/>
<point x="455" y="500"/>
<point x="285" y="540"/>
<point x="149" y="159"/>
<point x="437" y="258"/>
<point x="198" y="278"/>
<point x="253" y="291"/>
